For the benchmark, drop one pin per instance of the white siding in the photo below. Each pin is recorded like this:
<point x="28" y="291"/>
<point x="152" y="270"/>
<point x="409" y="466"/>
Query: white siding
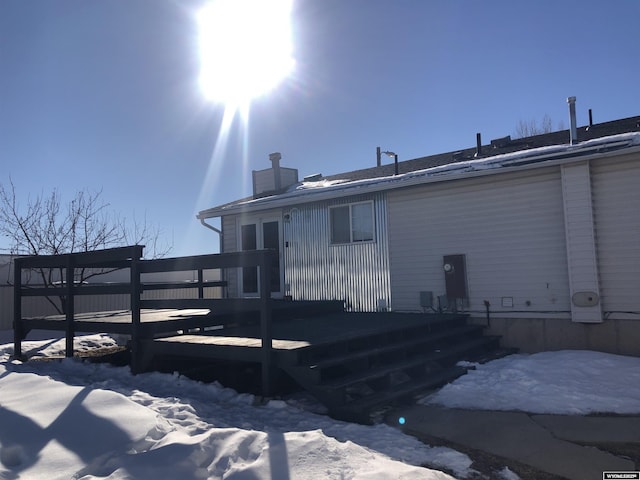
<point x="263" y="181"/>
<point x="288" y="176"/>
<point x="616" y="195"/>
<point x="509" y="226"/>
<point x="230" y="244"/>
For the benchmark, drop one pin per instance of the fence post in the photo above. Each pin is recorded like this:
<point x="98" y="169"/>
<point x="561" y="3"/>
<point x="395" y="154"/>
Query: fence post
<point x="200" y="285"/>
<point x="18" y="334"/>
<point x="134" y="271"/>
<point x="265" y="322"/>
<point x="70" y="307"/>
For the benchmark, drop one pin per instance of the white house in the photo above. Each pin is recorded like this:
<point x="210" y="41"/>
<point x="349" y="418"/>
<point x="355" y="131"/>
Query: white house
<point x="538" y="237"/>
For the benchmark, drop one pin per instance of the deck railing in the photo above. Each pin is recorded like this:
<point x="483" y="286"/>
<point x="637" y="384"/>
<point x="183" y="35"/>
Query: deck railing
<point x="131" y="258"/>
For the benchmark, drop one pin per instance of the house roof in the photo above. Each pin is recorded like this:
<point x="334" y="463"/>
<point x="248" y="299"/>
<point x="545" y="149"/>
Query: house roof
<point x="500" y="154"/>
<point x="496" y="147"/>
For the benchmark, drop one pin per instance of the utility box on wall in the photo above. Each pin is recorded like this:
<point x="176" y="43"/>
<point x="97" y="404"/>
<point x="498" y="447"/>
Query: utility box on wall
<point x="455" y="276"/>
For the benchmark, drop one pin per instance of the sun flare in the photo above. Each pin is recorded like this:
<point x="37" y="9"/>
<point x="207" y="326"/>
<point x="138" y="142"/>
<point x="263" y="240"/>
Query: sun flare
<point x="245" y="49"/>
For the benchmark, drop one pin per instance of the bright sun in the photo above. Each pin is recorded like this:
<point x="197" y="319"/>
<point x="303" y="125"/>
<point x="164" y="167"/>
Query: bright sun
<point x="245" y="49"/>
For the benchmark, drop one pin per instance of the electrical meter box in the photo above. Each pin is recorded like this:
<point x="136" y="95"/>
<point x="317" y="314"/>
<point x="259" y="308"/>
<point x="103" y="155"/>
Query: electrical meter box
<point x="455" y="276"/>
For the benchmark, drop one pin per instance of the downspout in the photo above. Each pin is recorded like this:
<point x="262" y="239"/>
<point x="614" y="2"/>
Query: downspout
<point x="220" y="235"/>
<point x="217" y="230"/>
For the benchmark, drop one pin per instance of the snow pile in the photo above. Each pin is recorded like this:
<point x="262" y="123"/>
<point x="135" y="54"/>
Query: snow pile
<point x="69" y="419"/>
<point x="564" y="382"/>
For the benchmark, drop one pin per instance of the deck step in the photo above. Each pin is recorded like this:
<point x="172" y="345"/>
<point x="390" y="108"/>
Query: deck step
<point x="346" y="344"/>
<point x="354" y="377"/>
<point x="359" y="410"/>
<point x="493" y="354"/>
<point x="436" y="359"/>
<point x="406" y="345"/>
<point x="395" y="350"/>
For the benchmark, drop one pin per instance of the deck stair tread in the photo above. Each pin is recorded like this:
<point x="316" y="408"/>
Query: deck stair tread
<point x="354" y="378"/>
<point x="494" y="354"/>
<point x="377" y="330"/>
<point x="358" y="409"/>
<point x="313" y="353"/>
<point x="354" y="363"/>
<point x="429" y="359"/>
<point x="405" y="344"/>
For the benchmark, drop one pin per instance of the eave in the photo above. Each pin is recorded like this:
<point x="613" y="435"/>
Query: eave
<point x="512" y="162"/>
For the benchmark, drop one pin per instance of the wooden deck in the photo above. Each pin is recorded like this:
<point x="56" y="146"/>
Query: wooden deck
<point x="335" y="355"/>
<point x="152" y="321"/>
<point x="291" y="337"/>
<point x="200" y="333"/>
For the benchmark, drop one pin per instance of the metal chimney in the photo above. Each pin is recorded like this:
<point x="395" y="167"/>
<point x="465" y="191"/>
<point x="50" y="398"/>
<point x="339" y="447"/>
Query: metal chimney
<point x="478" y="144"/>
<point x="275" y="161"/>
<point x="572" y="117"/>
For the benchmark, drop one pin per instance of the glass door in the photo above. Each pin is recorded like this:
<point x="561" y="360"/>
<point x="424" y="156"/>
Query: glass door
<point x="257" y="235"/>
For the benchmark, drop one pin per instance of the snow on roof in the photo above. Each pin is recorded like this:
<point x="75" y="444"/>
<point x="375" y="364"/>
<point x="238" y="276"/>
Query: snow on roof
<point x="308" y="191"/>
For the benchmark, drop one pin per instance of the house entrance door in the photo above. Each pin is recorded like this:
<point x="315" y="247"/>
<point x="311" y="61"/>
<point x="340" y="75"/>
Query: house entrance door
<point x="259" y="234"/>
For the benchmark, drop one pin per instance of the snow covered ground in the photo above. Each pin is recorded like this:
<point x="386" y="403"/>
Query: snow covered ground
<point x="69" y="419"/>
<point x="570" y="382"/>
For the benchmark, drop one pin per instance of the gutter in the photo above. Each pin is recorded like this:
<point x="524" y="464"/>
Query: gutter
<point x="531" y="162"/>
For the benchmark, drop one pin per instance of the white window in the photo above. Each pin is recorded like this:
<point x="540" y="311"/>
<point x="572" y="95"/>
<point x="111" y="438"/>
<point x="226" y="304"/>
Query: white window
<point x="351" y="223"/>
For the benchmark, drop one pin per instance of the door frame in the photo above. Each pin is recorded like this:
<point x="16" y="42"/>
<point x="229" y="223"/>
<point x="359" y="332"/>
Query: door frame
<point x="258" y="220"/>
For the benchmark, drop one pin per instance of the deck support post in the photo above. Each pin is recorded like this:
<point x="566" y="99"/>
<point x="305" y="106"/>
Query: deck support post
<point x="18" y="334"/>
<point x="265" y="324"/>
<point x="200" y="283"/>
<point x="69" y="304"/>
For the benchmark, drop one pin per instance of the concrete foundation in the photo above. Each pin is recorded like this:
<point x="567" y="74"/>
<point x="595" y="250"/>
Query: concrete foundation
<point x="531" y="335"/>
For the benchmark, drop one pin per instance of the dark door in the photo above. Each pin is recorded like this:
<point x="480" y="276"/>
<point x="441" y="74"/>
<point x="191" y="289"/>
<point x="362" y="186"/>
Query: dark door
<point x="256" y="236"/>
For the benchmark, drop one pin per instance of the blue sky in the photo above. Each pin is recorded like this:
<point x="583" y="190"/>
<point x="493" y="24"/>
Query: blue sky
<point x="103" y="94"/>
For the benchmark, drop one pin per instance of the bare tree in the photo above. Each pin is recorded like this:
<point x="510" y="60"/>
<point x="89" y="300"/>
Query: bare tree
<point x="47" y="226"/>
<point x="530" y="128"/>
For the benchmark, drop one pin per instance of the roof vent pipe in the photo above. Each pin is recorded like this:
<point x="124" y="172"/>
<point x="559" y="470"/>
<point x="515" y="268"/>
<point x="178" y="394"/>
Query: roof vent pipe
<point x="478" y="144"/>
<point x="378" y="157"/>
<point x="590" y="118"/>
<point x="572" y="117"/>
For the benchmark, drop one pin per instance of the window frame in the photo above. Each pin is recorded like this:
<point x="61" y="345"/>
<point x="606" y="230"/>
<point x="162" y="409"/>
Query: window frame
<point x="351" y="229"/>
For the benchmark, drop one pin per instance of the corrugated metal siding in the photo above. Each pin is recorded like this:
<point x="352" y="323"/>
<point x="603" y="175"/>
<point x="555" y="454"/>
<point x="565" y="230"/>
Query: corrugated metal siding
<point x="616" y="197"/>
<point x="510" y="227"/>
<point x="580" y="239"/>
<point x="316" y="270"/>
